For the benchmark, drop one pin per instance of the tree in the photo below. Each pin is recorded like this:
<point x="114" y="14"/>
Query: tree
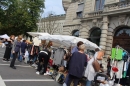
<point x="20" y="16"/>
<point x="49" y="24"/>
<point x="3" y="6"/>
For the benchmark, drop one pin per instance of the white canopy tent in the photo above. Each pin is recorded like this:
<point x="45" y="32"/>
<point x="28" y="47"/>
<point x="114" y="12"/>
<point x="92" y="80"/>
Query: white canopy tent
<point x="46" y="36"/>
<point x="64" y="39"/>
<point x="56" y="39"/>
<point x="36" y="34"/>
<point x="69" y="40"/>
<point x="74" y="40"/>
<point x="5" y="36"/>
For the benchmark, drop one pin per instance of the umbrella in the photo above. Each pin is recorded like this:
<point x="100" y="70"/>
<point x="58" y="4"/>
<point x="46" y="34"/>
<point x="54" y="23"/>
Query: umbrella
<point x="35" y="34"/>
<point x="5" y="36"/>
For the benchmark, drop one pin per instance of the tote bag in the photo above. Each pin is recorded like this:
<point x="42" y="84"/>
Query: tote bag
<point x="96" y="65"/>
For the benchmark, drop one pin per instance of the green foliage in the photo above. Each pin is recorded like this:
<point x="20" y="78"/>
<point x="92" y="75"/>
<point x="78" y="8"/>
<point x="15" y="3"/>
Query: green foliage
<point x="19" y="16"/>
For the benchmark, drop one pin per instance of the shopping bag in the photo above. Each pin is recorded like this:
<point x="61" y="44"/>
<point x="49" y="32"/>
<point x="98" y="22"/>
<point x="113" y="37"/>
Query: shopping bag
<point x="26" y="54"/>
<point x="96" y="65"/>
<point x="26" y="60"/>
<point x="26" y="57"/>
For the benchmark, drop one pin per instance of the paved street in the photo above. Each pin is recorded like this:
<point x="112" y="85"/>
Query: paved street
<point x="24" y="75"/>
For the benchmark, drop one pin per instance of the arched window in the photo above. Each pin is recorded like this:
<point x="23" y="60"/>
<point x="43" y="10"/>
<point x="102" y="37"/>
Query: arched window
<point x="75" y="33"/>
<point x="122" y="37"/>
<point x="95" y="36"/>
<point x="122" y="30"/>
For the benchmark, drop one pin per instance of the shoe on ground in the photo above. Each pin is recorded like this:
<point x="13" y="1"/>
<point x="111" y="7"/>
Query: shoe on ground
<point x="33" y="64"/>
<point x="8" y="60"/>
<point x="49" y="74"/>
<point x="37" y="73"/>
<point x="4" y="60"/>
<point x="13" y="67"/>
<point x="45" y="74"/>
<point x="36" y="68"/>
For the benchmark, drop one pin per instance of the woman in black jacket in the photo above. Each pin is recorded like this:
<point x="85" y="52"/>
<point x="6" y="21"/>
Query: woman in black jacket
<point x="9" y="44"/>
<point x="43" y="58"/>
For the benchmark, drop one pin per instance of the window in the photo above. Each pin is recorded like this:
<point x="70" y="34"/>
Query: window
<point x="123" y="30"/>
<point x="95" y="36"/>
<point x="79" y="14"/>
<point x="99" y="5"/>
<point x="80" y="10"/>
<point x="122" y="0"/>
<point x="75" y="33"/>
<point x="73" y="0"/>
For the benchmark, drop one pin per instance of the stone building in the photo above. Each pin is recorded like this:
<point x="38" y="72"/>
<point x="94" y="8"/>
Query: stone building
<point x="53" y="24"/>
<point x="104" y="22"/>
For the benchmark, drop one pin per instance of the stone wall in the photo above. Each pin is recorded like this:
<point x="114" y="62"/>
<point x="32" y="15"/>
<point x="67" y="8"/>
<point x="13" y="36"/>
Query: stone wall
<point x="111" y="1"/>
<point x="55" y="24"/>
<point x="66" y="4"/>
<point x="59" y="29"/>
<point x="89" y="7"/>
<point x="68" y="29"/>
<point x="88" y="25"/>
<point x="71" y="14"/>
<point x="106" y="20"/>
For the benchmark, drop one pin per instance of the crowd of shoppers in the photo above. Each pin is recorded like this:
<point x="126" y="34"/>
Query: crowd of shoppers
<point x="16" y="48"/>
<point x="75" y="61"/>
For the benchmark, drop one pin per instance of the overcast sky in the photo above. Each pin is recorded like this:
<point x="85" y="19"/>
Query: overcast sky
<point x="54" y="6"/>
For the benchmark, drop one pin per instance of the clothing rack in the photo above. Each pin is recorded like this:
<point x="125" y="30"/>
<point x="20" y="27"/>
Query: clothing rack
<point x="118" y="47"/>
<point x="122" y="49"/>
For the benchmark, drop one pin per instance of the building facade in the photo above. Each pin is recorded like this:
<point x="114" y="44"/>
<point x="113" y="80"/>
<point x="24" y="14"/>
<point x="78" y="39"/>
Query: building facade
<point x="53" y="24"/>
<point x="104" y="22"/>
